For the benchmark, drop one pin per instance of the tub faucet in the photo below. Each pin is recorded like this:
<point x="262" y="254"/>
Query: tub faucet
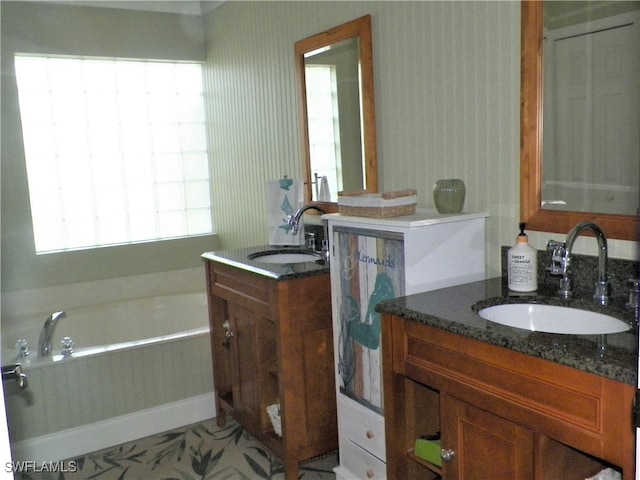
<point x="561" y="259"/>
<point x="44" y="344"/>
<point x="294" y="220"/>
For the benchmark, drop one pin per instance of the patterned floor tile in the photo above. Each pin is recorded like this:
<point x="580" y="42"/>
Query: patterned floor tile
<point x="202" y="451"/>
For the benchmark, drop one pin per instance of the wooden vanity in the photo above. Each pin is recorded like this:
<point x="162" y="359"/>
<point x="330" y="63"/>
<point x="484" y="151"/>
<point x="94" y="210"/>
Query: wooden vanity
<point x="271" y="337"/>
<point x="501" y="413"/>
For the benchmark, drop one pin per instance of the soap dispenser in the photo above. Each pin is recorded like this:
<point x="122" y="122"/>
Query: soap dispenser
<point x="522" y="262"/>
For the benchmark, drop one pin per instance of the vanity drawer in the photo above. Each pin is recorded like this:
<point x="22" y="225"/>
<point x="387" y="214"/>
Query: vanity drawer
<point x="356" y="463"/>
<point x="361" y="426"/>
<point x="256" y="292"/>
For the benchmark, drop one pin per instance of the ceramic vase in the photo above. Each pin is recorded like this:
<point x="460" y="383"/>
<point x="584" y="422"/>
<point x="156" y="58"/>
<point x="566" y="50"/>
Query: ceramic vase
<point x="449" y="194"/>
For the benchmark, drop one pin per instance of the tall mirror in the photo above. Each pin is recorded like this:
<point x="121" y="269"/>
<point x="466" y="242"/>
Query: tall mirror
<point x="335" y="77"/>
<point x="580" y="116"/>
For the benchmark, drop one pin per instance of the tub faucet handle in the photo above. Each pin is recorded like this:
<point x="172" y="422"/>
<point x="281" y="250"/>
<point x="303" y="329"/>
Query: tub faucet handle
<point x="67" y="346"/>
<point x="23" y="348"/>
<point x="14" y="372"/>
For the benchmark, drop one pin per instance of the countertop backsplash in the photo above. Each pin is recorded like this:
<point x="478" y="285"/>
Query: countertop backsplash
<point x="584" y="272"/>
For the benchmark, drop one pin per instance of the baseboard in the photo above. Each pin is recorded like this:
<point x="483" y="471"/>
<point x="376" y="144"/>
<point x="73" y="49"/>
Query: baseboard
<point x="78" y="441"/>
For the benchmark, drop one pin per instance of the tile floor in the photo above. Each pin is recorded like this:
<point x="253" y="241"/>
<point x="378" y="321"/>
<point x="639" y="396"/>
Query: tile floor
<point x="200" y="451"/>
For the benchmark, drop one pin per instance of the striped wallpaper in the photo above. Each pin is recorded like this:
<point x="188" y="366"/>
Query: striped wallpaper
<point x="447" y="103"/>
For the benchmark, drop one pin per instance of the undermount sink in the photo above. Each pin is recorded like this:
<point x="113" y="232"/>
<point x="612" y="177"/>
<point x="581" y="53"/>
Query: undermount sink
<point x="278" y="256"/>
<point x="553" y="319"/>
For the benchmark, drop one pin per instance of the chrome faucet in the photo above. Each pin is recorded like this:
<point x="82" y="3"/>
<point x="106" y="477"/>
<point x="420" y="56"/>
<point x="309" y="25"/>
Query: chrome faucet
<point x="44" y="344"/>
<point x="294" y="220"/>
<point x="561" y="260"/>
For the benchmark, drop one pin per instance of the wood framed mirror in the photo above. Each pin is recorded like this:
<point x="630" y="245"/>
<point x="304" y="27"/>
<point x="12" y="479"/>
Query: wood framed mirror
<point x="624" y="226"/>
<point x="337" y="110"/>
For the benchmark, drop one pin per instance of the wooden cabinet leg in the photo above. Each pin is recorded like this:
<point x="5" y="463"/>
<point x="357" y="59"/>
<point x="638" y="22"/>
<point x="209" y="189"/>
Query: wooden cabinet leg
<point x="291" y="471"/>
<point x="221" y="418"/>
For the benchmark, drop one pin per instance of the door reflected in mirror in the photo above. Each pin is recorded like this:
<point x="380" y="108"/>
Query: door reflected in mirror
<point x="591" y="123"/>
<point x="589" y="171"/>
<point x="335" y="75"/>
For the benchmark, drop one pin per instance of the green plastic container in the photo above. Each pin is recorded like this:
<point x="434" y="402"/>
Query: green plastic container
<point x="429" y="450"/>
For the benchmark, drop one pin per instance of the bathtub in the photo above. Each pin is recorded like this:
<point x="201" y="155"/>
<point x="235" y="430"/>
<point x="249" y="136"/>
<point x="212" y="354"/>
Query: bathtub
<point x="590" y="197"/>
<point x="139" y="367"/>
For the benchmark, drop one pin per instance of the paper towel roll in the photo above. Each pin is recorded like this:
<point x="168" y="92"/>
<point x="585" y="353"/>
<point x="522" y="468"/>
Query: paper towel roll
<point x="284" y="197"/>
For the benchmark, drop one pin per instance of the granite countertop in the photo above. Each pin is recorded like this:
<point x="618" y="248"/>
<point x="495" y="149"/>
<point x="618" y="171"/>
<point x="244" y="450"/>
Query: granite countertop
<point x="452" y="309"/>
<point x="239" y="258"/>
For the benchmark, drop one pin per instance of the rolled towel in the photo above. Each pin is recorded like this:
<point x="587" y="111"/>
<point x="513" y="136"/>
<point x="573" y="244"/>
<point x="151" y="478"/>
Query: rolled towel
<point x="324" y="195"/>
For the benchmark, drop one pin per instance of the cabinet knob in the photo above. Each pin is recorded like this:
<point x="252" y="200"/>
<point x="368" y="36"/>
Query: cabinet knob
<point x="370" y="473"/>
<point x="447" y="455"/>
<point x="370" y="434"/>
<point x="228" y="334"/>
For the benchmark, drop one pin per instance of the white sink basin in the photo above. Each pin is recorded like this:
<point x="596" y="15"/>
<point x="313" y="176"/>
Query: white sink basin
<point x="284" y="257"/>
<point x="553" y="319"/>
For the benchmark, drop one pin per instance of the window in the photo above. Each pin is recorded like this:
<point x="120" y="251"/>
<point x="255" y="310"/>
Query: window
<point x="116" y="150"/>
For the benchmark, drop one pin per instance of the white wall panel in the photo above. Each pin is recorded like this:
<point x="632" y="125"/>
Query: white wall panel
<point x="78" y="392"/>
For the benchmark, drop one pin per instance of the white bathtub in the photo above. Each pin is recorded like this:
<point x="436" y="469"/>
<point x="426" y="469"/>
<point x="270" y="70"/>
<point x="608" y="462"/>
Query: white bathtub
<point x="110" y="326"/>
<point x="590" y="197"/>
<point x="140" y="366"/>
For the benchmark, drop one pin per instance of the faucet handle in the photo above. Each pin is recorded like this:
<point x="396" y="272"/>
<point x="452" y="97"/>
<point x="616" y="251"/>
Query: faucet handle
<point x="67" y="346"/>
<point x="565" y="287"/>
<point x="601" y="293"/>
<point x="558" y="261"/>
<point x="325" y="250"/>
<point x="23" y="348"/>
<point x="634" y="292"/>
<point x="311" y="241"/>
<point x="634" y="283"/>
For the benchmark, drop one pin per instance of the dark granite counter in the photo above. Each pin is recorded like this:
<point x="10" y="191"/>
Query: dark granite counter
<point x="451" y="309"/>
<point x="239" y="258"/>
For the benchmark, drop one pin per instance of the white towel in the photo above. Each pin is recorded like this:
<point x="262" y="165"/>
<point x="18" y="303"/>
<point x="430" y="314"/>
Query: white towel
<point x="606" y="474"/>
<point x="284" y="198"/>
<point x="324" y="195"/>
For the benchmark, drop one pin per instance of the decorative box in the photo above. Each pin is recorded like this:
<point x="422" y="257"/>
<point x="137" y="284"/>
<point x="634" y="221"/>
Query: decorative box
<point x="379" y="205"/>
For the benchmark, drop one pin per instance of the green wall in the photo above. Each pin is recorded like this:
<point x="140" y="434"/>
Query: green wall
<point x="447" y="93"/>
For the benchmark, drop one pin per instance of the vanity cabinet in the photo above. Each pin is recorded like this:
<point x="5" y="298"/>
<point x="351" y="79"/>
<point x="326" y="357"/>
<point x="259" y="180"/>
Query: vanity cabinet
<point x="500" y="413"/>
<point x="272" y="344"/>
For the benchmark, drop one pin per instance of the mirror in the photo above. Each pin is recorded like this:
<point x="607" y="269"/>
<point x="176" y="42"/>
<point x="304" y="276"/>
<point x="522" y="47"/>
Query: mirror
<point x="335" y="81"/>
<point x="542" y="206"/>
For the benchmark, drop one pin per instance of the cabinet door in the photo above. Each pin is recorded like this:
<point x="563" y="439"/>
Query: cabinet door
<point x="368" y="267"/>
<point x="253" y="365"/>
<point x="485" y="446"/>
<point x="244" y="371"/>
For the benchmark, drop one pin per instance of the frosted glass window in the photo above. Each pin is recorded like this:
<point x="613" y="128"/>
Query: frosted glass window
<point x="116" y="150"/>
